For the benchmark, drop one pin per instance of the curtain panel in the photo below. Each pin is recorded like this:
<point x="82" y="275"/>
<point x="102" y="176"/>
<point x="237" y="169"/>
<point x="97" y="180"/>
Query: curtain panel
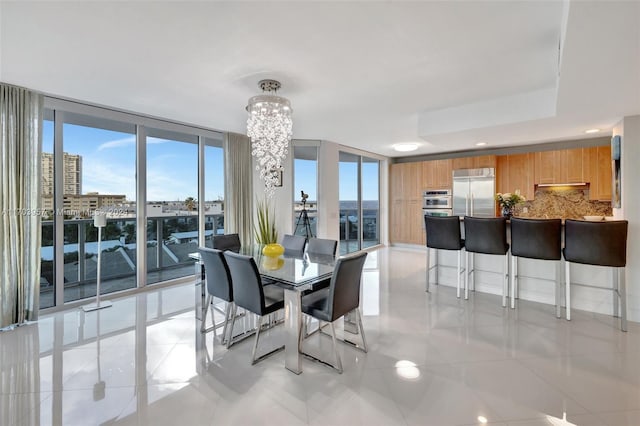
<point x="238" y="209"/>
<point x="20" y="150"/>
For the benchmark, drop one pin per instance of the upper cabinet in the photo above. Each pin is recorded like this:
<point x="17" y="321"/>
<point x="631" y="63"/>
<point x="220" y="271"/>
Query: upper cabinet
<point x="516" y="172"/>
<point x="479" y="162"/>
<point x="563" y="166"/>
<point x="437" y="174"/>
<point x="598" y="164"/>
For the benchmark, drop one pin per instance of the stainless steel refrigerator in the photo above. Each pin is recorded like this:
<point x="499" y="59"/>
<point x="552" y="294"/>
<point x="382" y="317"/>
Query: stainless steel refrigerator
<point x="473" y="192"/>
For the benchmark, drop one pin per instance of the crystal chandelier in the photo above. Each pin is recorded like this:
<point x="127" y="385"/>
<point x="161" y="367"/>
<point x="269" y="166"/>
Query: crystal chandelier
<point x="269" y="127"/>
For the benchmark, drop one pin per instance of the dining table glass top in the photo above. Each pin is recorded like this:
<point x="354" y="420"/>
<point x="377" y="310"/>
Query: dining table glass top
<point x="291" y="270"/>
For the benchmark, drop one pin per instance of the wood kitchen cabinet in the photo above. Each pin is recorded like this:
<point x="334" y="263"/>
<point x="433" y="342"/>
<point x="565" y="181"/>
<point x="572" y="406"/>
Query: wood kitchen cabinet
<point x="437" y="174"/>
<point x="406" y="183"/>
<point x="598" y="166"/>
<point x="479" y="162"/>
<point x="562" y="166"/>
<point x="516" y="171"/>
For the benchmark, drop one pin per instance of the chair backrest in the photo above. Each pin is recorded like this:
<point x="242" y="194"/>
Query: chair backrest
<point x="227" y="242"/>
<point x="443" y="232"/>
<point x="486" y="235"/>
<point x="344" y="288"/>
<point x="247" y="285"/>
<point x="294" y="244"/>
<point x="322" y="246"/>
<point x="596" y="243"/>
<point x="536" y="238"/>
<point x="217" y="273"/>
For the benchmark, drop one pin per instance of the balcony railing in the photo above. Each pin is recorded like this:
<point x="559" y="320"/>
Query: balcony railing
<point x="169" y="241"/>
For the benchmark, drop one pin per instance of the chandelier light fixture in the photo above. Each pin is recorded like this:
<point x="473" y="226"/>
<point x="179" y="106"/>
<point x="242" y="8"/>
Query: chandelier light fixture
<point x="269" y="126"/>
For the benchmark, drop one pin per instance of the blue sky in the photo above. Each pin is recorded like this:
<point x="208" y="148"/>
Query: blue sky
<point x="109" y="164"/>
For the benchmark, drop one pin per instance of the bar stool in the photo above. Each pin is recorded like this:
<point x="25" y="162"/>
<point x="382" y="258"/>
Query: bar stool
<point x="600" y="244"/>
<point x="536" y="239"/>
<point x="486" y="236"/>
<point x="443" y="233"/>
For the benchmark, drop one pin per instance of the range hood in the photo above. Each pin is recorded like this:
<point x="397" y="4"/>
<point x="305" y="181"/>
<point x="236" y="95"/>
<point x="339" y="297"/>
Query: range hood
<point x="548" y="185"/>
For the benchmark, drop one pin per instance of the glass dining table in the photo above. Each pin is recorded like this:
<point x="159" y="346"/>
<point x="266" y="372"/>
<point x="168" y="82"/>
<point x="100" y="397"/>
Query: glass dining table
<point x="295" y="274"/>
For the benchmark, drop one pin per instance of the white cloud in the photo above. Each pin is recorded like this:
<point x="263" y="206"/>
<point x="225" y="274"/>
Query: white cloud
<point x="130" y="140"/>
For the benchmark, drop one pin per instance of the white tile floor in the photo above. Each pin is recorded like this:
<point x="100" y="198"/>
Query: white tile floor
<point x="463" y="360"/>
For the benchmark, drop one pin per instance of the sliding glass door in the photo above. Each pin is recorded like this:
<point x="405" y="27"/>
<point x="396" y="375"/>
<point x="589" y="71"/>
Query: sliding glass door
<point x="121" y="164"/>
<point x="359" y="187"/>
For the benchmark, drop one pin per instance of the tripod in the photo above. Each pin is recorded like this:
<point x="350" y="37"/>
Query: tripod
<point x="303" y="219"/>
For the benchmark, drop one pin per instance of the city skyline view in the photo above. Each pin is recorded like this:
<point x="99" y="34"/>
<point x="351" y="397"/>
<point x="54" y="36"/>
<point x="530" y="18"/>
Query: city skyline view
<point x="109" y="164"/>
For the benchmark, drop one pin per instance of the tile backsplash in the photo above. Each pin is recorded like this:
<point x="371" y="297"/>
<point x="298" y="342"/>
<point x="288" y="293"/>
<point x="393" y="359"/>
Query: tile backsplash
<point x="562" y="202"/>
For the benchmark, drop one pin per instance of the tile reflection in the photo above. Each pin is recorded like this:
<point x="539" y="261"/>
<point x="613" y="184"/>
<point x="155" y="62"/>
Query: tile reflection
<point x="433" y="359"/>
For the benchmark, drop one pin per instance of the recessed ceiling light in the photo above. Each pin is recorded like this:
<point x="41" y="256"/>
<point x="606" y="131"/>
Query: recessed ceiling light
<point x="482" y="419"/>
<point x="405" y="147"/>
<point x="481" y="144"/>
<point x="592" y="131"/>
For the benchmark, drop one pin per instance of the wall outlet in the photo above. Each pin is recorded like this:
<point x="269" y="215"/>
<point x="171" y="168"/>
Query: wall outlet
<point x="525" y="210"/>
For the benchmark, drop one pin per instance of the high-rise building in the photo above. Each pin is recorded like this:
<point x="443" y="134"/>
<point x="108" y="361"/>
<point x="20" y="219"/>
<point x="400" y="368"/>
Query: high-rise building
<point x="72" y="174"/>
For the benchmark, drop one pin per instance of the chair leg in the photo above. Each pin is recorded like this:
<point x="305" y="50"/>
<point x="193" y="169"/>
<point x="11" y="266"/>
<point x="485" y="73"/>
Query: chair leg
<point x="255" y="342"/>
<point x="623" y="298"/>
<point x="227" y="318"/>
<point x="616" y="292"/>
<point x="364" y="341"/>
<point x="207" y="303"/>
<point x="335" y="349"/>
<point x="459" y="271"/>
<point x="567" y="289"/>
<point x="233" y="322"/>
<point x="427" y="286"/>
<point x="513" y="278"/>
<point x="505" y="278"/>
<point x="559" y="265"/>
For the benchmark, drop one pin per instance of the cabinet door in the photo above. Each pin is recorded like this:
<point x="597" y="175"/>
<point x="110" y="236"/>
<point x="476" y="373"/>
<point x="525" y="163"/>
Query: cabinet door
<point x="412" y="181"/>
<point x="415" y="220"/>
<point x="502" y="173"/>
<point x="396" y="225"/>
<point x="444" y="179"/>
<point x="462" y="163"/>
<point x="604" y="173"/>
<point x="428" y="174"/>
<point x="484" y="161"/>
<point x="547" y="167"/>
<point x="395" y="181"/>
<point x="520" y="174"/>
<point x="573" y="162"/>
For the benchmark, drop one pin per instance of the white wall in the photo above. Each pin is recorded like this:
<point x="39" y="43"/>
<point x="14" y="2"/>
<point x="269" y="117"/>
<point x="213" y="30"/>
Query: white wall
<point x="629" y="131"/>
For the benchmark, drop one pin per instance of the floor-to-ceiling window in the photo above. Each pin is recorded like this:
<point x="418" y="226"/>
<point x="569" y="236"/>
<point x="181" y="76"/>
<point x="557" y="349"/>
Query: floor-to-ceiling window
<point x="98" y="173"/>
<point x="172" y="204"/>
<point x="214" y="189"/>
<point x="370" y="195"/>
<point x="305" y="180"/>
<point x="47" y="265"/>
<point x="90" y="163"/>
<point x="359" y="197"/>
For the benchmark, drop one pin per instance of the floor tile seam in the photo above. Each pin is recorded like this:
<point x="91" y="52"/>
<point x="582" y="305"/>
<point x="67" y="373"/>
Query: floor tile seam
<point x="555" y="387"/>
<point x="150" y="374"/>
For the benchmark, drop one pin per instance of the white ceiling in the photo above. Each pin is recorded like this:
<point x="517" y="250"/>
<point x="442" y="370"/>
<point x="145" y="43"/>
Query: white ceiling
<point x="363" y="74"/>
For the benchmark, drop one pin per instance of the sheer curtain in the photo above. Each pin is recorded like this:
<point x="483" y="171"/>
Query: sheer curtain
<point x="238" y="211"/>
<point x="20" y="148"/>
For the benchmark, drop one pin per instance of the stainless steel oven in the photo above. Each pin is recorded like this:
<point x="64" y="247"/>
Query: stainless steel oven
<point x="437" y="199"/>
<point x="437" y="212"/>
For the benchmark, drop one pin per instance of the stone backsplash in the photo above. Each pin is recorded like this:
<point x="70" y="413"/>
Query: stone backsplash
<point x="564" y="203"/>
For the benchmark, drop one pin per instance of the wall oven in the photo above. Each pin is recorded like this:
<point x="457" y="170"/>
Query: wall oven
<point x="437" y="199"/>
<point x="437" y="212"/>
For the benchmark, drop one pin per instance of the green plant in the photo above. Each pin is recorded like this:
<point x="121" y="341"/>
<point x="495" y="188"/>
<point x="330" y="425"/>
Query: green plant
<point x="509" y="199"/>
<point x="266" y="230"/>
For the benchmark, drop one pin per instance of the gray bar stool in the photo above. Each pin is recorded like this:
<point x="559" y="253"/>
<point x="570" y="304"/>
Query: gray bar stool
<point x="486" y="236"/>
<point x="600" y="244"/>
<point x="536" y="239"/>
<point x="443" y="233"/>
